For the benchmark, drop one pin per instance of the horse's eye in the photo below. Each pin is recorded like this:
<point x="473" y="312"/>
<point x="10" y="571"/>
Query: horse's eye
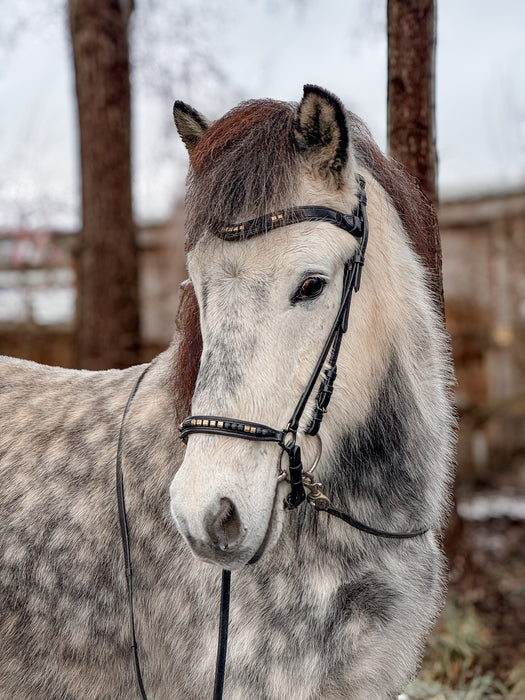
<point x="310" y="289"/>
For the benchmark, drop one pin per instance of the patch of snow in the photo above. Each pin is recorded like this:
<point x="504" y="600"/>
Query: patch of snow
<point x="53" y="306"/>
<point x="488" y="506"/>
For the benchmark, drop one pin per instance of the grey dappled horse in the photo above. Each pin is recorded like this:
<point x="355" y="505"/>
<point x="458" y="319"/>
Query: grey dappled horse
<point x="318" y="610"/>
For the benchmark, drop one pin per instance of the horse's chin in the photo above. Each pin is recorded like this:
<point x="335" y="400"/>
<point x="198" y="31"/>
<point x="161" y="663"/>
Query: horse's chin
<point x="223" y="559"/>
<point x="273" y="531"/>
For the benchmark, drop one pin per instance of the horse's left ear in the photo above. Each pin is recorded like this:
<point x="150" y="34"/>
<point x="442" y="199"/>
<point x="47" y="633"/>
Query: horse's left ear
<point x="320" y="131"/>
<point x="190" y="124"/>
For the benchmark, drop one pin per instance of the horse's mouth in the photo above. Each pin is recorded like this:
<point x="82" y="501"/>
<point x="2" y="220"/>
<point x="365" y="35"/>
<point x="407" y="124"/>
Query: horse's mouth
<point x="270" y="530"/>
<point x="237" y="556"/>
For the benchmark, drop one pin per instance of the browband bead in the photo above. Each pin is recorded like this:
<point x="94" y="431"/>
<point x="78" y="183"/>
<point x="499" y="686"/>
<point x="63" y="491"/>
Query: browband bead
<point x="215" y="425"/>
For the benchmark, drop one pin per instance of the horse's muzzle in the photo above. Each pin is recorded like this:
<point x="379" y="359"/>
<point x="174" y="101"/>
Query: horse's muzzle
<point x="221" y="539"/>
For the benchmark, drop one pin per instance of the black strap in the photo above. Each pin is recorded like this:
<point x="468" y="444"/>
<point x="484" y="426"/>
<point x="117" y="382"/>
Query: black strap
<point x="325" y="391"/>
<point x="124" y="532"/>
<point x="347" y="518"/>
<point x="222" y="647"/>
<point x="285" y="217"/>
<point x="297" y="493"/>
<point x="233" y="427"/>
<point x="337" y="327"/>
<point x="351" y="283"/>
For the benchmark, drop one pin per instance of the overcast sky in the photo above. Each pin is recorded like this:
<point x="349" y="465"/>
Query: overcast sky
<point x="213" y="54"/>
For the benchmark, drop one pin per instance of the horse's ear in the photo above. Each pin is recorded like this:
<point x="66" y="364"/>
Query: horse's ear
<point x="320" y="130"/>
<point x="190" y="124"/>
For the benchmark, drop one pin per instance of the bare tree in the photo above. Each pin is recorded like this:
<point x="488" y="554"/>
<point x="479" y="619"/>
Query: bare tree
<point x="107" y="307"/>
<point x="412" y="140"/>
<point x="411" y="110"/>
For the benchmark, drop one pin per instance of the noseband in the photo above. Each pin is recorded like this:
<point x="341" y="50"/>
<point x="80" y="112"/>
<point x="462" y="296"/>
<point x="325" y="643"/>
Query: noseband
<point x="357" y="225"/>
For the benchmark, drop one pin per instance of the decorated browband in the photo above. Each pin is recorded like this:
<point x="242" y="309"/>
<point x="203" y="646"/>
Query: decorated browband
<point x="351" y="223"/>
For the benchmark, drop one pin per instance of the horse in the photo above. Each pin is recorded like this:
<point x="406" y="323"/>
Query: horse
<point x="318" y="609"/>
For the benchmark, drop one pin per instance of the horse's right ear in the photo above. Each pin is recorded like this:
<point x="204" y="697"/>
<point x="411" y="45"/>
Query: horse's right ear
<point x="320" y="131"/>
<point x="190" y="124"/>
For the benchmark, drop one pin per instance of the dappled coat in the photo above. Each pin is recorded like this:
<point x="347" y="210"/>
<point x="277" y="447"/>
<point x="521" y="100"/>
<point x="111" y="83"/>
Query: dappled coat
<point x="318" y="610"/>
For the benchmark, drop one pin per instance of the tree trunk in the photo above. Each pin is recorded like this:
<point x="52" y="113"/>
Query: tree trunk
<point x="412" y="140"/>
<point x="107" y="306"/>
<point x="411" y="110"/>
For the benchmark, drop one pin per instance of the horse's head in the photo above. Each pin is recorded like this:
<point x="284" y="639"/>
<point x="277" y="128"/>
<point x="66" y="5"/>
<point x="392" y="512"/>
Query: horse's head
<point x="267" y="304"/>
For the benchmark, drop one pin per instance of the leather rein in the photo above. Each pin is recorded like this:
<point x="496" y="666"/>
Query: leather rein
<point x="355" y="224"/>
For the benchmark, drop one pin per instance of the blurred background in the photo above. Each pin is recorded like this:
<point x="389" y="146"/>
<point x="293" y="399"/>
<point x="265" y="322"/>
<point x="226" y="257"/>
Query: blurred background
<point x="85" y="92"/>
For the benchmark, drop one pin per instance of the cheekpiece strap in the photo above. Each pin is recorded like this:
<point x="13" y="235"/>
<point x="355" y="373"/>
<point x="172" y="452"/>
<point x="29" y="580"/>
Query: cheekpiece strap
<point x="285" y="217"/>
<point x="351" y="283"/>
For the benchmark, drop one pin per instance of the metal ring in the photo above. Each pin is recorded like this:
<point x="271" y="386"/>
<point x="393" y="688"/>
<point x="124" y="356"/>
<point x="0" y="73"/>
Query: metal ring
<point x="318" y="455"/>
<point x="283" y="474"/>
<point x="293" y="437"/>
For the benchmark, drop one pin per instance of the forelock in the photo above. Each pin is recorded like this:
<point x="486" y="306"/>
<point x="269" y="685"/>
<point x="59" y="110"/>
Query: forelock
<point x="243" y="166"/>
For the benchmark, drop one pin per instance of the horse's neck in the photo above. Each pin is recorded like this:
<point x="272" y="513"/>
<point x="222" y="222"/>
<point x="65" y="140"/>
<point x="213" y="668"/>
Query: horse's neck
<point x="389" y="412"/>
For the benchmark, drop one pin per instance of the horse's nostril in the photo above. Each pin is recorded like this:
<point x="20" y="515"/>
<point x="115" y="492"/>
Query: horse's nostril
<point x="223" y="525"/>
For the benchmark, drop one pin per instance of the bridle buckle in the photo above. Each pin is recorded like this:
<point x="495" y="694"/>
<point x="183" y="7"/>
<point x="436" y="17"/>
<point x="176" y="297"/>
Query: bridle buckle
<point x="315" y="496"/>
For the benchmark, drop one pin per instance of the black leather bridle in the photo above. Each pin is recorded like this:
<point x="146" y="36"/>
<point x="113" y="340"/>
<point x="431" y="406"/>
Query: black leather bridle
<point x="357" y="225"/>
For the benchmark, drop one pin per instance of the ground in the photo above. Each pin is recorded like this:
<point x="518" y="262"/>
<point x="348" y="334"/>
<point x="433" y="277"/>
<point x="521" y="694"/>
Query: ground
<point x="478" y="648"/>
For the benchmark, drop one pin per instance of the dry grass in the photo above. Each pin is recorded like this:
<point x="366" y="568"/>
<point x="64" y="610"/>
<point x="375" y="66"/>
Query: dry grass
<point x="451" y="668"/>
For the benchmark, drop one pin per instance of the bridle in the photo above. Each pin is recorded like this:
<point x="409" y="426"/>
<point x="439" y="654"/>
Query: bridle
<point x="355" y="224"/>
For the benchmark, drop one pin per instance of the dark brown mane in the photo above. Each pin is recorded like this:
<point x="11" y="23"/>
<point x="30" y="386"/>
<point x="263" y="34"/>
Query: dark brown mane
<point x="415" y="210"/>
<point x="188" y="352"/>
<point x="244" y="166"/>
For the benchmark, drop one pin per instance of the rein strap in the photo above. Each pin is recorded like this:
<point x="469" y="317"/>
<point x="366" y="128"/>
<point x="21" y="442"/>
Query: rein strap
<point x="124" y="533"/>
